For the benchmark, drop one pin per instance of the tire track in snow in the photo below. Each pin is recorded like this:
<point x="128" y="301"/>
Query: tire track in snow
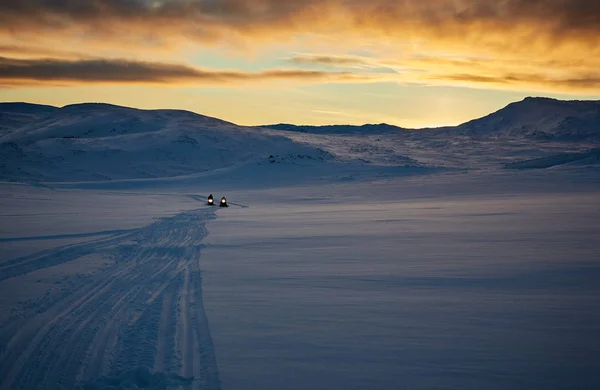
<point x="39" y="330"/>
<point x="186" y="336"/>
<point x="166" y="332"/>
<point x="208" y="373"/>
<point x="145" y="310"/>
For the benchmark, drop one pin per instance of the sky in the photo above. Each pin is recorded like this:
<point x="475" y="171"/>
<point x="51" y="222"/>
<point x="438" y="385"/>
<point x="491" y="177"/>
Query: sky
<point x="412" y="63"/>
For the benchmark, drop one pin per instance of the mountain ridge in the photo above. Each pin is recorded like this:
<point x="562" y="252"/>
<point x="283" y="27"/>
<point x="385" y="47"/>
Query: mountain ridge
<point x="106" y="142"/>
<point x="535" y="111"/>
<point x="100" y="142"/>
<point x="540" y="118"/>
<point x="474" y="126"/>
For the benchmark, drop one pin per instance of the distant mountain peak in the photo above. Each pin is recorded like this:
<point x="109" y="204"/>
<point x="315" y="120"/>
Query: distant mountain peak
<point x="539" y="99"/>
<point x="539" y="117"/>
<point x="106" y="108"/>
<point x="555" y="102"/>
<point x="14" y="115"/>
<point x="369" y="128"/>
<point x="25" y="108"/>
<point x="95" y="108"/>
<point x="93" y="105"/>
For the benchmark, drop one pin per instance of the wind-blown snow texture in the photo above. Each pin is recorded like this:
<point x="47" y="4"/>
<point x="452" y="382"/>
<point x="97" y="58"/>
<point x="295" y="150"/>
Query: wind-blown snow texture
<point x="102" y="142"/>
<point x="140" y="310"/>
<point x="15" y="115"/>
<point x="350" y="258"/>
<point x="532" y="128"/>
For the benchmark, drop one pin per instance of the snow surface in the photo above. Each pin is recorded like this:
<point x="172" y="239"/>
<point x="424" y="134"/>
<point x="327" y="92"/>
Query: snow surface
<point x="363" y="259"/>
<point x="95" y="142"/>
<point x="376" y="286"/>
<point x="15" y="115"/>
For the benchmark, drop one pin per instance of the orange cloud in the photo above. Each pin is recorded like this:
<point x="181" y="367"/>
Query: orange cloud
<point x="66" y="72"/>
<point x="32" y="52"/>
<point x="345" y="61"/>
<point x="430" y="41"/>
<point x="589" y="83"/>
<point x="207" y="19"/>
<point x="20" y="72"/>
<point x="540" y="75"/>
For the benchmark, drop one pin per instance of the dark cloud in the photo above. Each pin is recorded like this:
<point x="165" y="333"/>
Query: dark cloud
<point x="22" y="71"/>
<point x="364" y="65"/>
<point x="36" y="52"/>
<point x="329" y="60"/>
<point x="554" y="17"/>
<point x="589" y="82"/>
<point x="504" y="38"/>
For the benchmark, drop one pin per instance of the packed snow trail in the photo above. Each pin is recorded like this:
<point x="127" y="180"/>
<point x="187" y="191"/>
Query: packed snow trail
<point x="141" y="319"/>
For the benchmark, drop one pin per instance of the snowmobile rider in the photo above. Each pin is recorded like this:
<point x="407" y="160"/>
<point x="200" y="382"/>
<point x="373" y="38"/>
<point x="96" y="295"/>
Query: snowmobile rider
<point x="223" y="202"/>
<point x="211" y="201"/>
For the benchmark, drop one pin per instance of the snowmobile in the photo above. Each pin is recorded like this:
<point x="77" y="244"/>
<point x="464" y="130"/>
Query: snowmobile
<point x="211" y="201"/>
<point x="223" y="202"/>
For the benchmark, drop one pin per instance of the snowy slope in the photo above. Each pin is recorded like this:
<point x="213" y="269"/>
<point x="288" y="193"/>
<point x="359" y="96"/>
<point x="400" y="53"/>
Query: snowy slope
<point x="15" y="115"/>
<point x="104" y="142"/>
<point x="99" y="120"/>
<point x="101" y="142"/>
<point x="381" y="128"/>
<point x="529" y="129"/>
<point x="582" y="158"/>
<point x="541" y="119"/>
<point x="534" y="117"/>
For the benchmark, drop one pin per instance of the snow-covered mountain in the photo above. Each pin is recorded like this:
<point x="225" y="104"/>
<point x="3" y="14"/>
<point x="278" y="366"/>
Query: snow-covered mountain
<point x="94" y="141"/>
<point x="86" y="142"/>
<point x="531" y="129"/>
<point x="540" y="118"/>
<point x="380" y="128"/>
<point x="15" y="115"/>
<point x="533" y="117"/>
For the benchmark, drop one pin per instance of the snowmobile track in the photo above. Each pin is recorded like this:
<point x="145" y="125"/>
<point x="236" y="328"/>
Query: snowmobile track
<point x="145" y="311"/>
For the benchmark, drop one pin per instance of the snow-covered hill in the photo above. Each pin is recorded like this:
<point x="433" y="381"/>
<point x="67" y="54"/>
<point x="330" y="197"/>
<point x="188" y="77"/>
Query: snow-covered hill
<point x="86" y="142"/>
<point x="530" y="129"/>
<point x="99" y="120"/>
<point x="102" y="142"/>
<point x="587" y="158"/>
<point x="15" y="115"/>
<point x="540" y="118"/>
<point x="534" y="117"/>
<point x="380" y="128"/>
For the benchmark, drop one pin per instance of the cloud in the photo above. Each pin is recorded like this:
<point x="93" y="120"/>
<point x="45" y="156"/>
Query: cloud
<point x="362" y="65"/>
<point x="430" y="41"/>
<point x="20" y="51"/>
<point x="557" y="18"/>
<point x="539" y="75"/>
<point x="584" y="82"/>
<point x="342" y="61"/>
<point x="17" y="71"/>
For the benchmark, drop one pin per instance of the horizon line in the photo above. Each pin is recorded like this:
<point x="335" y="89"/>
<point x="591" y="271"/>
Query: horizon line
<point x="267" y="125"/>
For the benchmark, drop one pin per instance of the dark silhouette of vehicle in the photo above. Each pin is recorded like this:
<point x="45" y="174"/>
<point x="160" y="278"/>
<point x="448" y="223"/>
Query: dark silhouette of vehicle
<point x="211" y="201"/>
<point x="223" y="202"/>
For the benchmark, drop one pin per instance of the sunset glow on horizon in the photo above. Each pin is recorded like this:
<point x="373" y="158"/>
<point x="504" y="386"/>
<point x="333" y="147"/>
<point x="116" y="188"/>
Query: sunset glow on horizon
<point x="413" y="63"/>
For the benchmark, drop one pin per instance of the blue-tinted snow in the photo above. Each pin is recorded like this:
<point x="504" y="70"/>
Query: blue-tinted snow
<point x="360" y="258"/>
<point x="383" y="286"/>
